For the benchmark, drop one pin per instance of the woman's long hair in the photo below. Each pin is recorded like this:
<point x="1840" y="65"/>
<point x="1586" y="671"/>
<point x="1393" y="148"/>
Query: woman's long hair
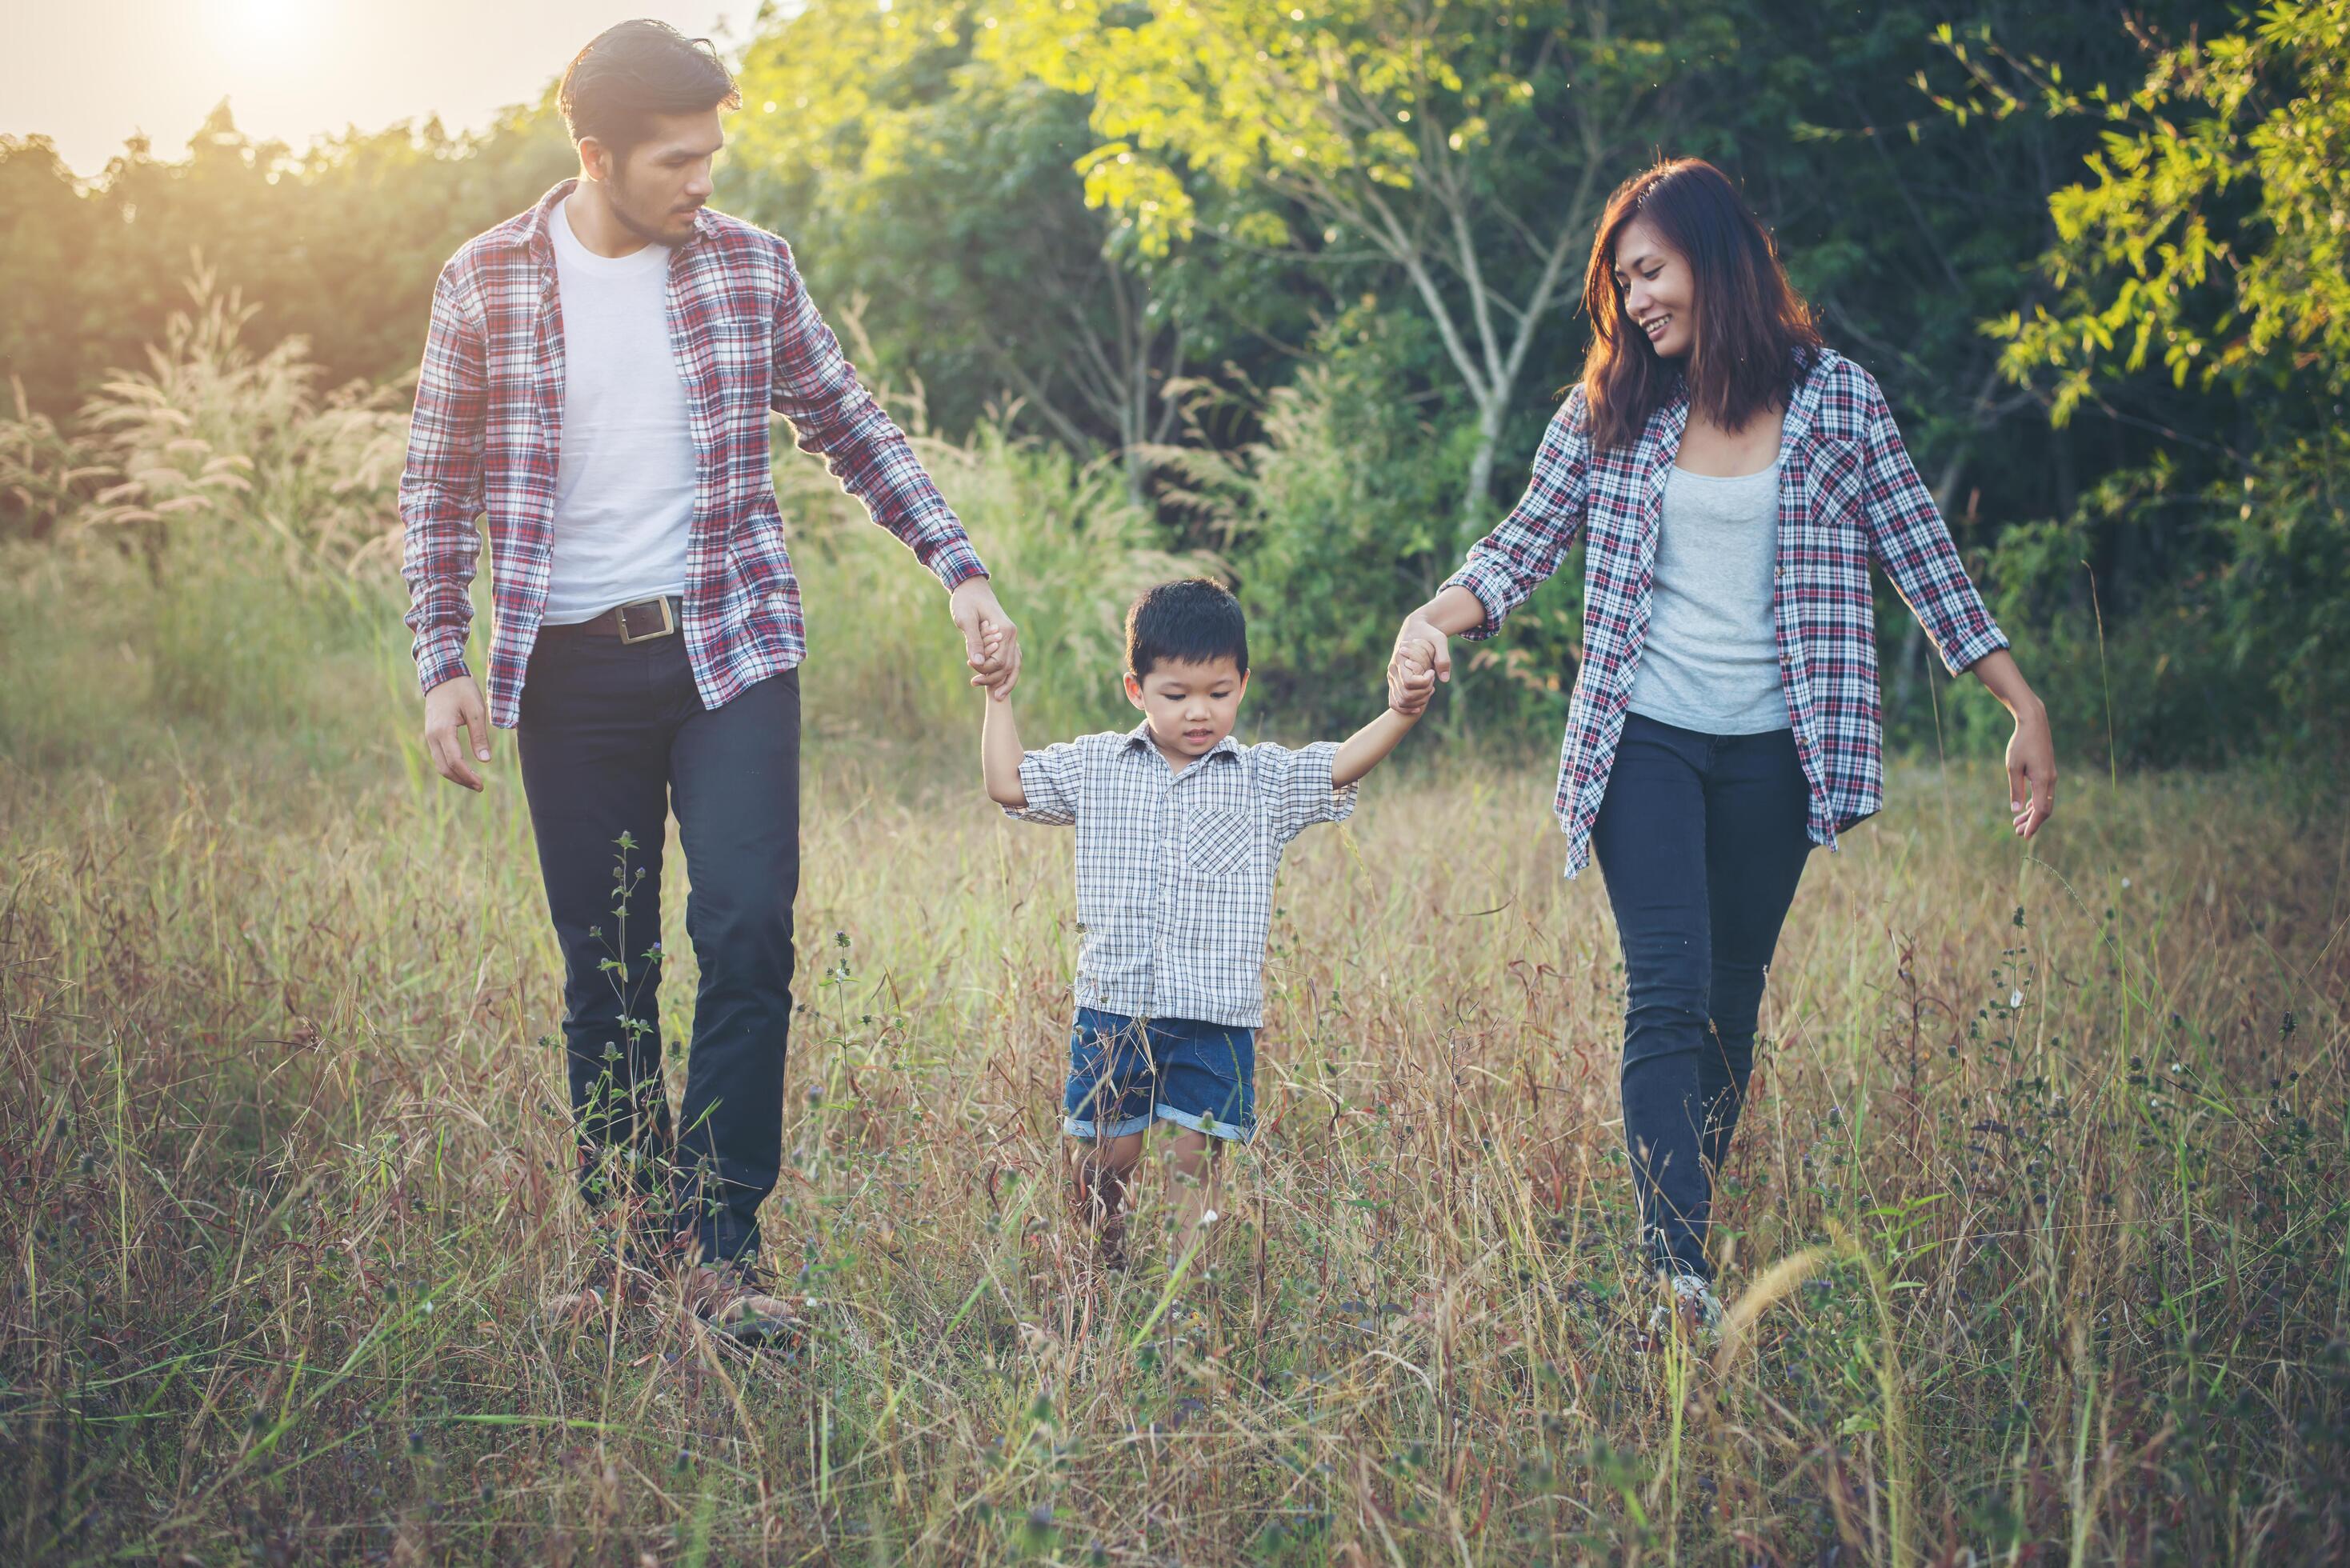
<point x="1753" y="338"/>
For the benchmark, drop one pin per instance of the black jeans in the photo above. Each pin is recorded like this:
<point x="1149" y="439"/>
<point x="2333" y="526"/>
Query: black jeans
<point x="612" y="736"/>
<point x="1701" y="839"/>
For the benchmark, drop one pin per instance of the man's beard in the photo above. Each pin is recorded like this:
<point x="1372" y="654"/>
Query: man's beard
<point x="619" y="204"/>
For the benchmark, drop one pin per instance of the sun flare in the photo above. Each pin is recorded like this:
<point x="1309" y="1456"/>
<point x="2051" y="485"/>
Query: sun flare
<point x="273" y="32"/>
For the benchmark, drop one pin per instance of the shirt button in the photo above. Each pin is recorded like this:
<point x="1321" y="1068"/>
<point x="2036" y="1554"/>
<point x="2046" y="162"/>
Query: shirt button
<point x="1778" y="571"/>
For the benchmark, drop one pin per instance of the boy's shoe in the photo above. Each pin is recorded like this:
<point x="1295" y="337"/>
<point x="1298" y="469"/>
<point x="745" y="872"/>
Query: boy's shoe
<point x="1109" y="1244"/>
<point x="734" y="1300"/>
<point x="1694" y="1310"/>
<point x="1105" y="1232"/>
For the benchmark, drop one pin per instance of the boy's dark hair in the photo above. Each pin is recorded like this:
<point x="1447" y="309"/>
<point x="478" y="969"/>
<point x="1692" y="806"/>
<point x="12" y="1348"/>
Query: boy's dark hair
<point x="1194" y="621"/>
<point x="634" y="70"/>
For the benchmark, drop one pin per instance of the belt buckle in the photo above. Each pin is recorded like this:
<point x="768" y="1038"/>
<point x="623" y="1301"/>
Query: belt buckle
<point x="668" y="625"/>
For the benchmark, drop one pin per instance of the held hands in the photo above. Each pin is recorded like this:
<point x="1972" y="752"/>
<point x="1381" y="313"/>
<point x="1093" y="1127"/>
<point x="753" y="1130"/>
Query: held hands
<point x="991" y="642"/>
<point x="453" y="705"/>
<point x="1422" y="657"/>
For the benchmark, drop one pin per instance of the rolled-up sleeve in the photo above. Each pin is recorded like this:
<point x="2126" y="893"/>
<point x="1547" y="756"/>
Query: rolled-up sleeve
<point x="1053" y="779"/>
<point x="1508" y="564"/>
<point x="1910" y="541"/>
<point x="440" y="485"/>
<point x="1294" y="787"/>
<point x="833" y="416"/>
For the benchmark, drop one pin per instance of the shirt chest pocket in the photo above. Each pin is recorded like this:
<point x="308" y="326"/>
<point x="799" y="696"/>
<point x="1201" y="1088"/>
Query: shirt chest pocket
<point x="1833" y="490"/>
<point x="1216" y="843"/>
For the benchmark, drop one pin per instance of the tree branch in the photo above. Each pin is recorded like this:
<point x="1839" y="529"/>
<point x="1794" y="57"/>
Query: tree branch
<point x="1034" y="394"/>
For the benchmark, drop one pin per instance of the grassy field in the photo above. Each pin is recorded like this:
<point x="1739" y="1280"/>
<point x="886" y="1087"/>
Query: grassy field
<point x="2035" y="1228"/>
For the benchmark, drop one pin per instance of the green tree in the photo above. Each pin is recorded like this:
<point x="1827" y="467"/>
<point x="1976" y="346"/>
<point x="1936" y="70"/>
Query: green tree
<point x="2206" y="252"/>
<point x="936" y="190"/>
<point x="338" y="245"/>
<point x="2213" y="232"/>
<point x="49" y="232"/>
<point x="1463" y="147"/>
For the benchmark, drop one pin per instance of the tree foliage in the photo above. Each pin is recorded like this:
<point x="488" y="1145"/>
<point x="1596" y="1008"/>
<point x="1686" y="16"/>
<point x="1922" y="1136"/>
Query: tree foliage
<point x="1465" y="145"/>
<point x="2206" y="252"/>
<point x="1301" y="276"/>
<point x="337" y="245"/>
<point x="2213" y="232"/>
<point x="937" y="190"/>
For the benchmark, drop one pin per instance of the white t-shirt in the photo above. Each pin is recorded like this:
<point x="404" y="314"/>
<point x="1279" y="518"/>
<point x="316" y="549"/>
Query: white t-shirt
<point x="624" y="489"/>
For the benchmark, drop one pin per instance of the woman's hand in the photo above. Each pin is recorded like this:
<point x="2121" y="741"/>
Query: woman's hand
<point x="2032" y="771"/>
<point x="2031" y="752"/>
<point x="1424" y="647"/>
<point x="1422" y="657"/>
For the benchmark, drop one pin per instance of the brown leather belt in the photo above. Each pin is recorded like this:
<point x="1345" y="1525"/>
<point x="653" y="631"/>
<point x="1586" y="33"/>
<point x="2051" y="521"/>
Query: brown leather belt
<point x="639" y="622"/>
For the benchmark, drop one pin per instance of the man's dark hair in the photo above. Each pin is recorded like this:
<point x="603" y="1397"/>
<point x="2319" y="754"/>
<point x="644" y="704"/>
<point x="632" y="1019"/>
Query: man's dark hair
<point x="634" y="70"/>
<point x="1194" y="621"/>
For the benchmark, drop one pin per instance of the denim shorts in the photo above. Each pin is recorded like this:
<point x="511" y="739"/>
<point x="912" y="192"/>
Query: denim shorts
<point x="1125" y="1073"/>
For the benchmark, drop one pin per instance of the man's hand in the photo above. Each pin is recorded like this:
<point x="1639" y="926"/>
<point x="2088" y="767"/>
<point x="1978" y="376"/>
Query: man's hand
<point x="453" y="705"/>
<point x="991" y="642"/>
<point x="1422" y="657"/>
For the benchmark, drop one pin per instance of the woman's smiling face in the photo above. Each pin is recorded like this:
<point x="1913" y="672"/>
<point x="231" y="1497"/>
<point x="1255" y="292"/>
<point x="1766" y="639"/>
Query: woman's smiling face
<point x="1659" y="293"/>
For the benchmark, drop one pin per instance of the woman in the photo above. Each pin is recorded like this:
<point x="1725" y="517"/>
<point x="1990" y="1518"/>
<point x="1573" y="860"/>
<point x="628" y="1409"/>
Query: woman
<point x="1732" y="477"/>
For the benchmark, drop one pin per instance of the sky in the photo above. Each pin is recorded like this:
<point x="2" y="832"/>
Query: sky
<point x="89" y="73"/>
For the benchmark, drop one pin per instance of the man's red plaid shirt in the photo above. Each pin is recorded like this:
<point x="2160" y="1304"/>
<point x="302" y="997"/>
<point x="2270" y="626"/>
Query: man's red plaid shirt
<point x="488" y="428"/>
<point x="1847" y="495"/>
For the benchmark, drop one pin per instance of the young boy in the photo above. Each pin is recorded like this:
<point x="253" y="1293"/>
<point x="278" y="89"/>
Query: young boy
<point x="1179" y="832"/>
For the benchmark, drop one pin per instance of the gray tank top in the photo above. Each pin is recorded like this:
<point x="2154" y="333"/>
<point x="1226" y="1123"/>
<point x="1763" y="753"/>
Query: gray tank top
<point x="1711" y="662"/>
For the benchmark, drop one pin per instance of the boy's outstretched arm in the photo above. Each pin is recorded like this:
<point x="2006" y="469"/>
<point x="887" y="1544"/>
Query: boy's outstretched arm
<point x="1367" y="745"/>
<point x="999" y="751"/>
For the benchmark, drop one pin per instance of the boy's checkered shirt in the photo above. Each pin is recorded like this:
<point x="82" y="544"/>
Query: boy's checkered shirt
<point x="1175" y="869"/>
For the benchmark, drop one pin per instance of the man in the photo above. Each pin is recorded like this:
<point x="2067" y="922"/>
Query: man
<point x="597" y="381"/>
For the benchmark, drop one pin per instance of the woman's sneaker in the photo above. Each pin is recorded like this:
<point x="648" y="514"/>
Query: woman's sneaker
<point x="1694" y="1308"/>
<point x="733" y="1299"/>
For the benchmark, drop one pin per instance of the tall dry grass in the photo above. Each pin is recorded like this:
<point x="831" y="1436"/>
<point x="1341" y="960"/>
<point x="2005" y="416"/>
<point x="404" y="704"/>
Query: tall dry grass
<point x="2036" y="1224"/>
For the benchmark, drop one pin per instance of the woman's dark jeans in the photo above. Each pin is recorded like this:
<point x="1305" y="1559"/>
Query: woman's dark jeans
<point x="613" y="738"/>
<point x="1701" y="839"/>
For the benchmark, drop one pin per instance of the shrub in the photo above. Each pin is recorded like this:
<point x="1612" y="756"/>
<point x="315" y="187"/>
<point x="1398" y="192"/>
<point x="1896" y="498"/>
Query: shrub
<point x="2244" y="652"/>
